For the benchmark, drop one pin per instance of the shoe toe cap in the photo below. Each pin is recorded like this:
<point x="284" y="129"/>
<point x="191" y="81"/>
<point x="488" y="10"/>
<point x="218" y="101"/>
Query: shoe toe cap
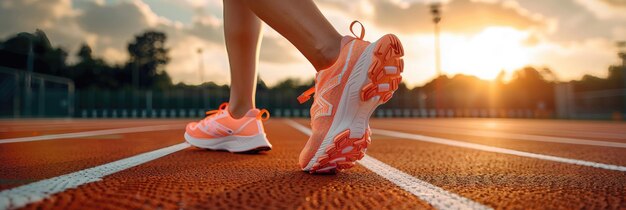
<point x="190" y="127"/>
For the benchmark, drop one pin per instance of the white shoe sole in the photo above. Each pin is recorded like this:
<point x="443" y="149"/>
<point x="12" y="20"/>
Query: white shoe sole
<point x="232" y="143"/>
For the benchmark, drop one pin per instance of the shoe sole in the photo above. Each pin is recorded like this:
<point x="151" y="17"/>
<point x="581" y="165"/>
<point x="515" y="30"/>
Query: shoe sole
<point x="341" y="150"/>
<point x="234" y="144"/>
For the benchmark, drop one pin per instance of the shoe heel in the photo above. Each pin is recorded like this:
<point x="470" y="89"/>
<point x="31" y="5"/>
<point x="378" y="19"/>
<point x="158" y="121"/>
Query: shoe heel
<point x="342" y="154"/>
<point x="384" y="73"/>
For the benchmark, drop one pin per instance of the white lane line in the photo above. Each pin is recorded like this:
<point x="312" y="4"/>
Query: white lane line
<point x="456" y="143"/>
<point x="518" y="136"/>
<point x="435" y="196"/>
<point x="76" y="124"/>
<point x="92" y="133"/>
<point x="536" y="128"/>
<point x="37" y="191"/>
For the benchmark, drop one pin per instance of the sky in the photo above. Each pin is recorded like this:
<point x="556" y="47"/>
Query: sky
<point x="478" y="37"/>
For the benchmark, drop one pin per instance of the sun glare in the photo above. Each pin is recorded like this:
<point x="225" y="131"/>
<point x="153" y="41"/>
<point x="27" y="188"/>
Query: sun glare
<point x="486" y="53"/>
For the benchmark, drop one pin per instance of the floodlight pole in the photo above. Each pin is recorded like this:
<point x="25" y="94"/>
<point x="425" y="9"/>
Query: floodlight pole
<point x="201" y="65"/>
<point x="435" y="10"/>
<point x="622" y="54"/>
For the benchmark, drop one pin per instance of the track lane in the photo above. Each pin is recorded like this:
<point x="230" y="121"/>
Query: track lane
<point x="27" y="162"/>
<point x="37" y="191"/>
<point x="197" y="179"/>
<point x="592" y="130"/>
<point x="94" y="133"/>
<point x="493" y="179"/>
<point x="500" y="180"/>
<point x="517" y="135"/>
<point x="31" y="128"/>
<point x="601" y="154"/>
<point x="434" y="195"/>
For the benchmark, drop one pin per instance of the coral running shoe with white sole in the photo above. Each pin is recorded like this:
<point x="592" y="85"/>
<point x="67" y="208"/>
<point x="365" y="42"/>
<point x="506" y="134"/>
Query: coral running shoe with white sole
<point x="220" y="131"/>
<point x="364" y="76"/>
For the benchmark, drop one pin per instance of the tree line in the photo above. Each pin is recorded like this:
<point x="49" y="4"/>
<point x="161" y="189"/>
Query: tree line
<point x="145" y="68"/>
<point x="526" y="88"/>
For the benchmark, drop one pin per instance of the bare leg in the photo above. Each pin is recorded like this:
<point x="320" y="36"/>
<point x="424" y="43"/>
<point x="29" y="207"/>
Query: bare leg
<point x="302" y="23"/>
<point x="242" y="30"/>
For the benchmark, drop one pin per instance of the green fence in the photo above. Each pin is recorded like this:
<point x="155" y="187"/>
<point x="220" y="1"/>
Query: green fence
<point x="176" y="103"/>
<point x="27" y="94"/>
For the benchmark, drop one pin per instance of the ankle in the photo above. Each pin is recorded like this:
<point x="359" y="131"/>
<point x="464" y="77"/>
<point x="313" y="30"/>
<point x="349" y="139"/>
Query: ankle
<point x="238" y="112"/>
<point x="328" y="54"/>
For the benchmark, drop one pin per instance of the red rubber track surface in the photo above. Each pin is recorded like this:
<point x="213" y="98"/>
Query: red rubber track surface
<point x="198" y="179"/>
<point x="26" y="162"/>
<point x="610" y="155"/>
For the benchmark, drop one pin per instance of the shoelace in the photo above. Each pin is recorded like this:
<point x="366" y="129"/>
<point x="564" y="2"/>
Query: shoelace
<point x="259" y="116"/>
<point x="306" y="95"/>
<point x="218" y="111"/>
<point x="222" y="107"/>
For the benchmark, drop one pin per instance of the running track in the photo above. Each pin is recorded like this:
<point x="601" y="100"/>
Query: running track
<point x="412" y="164"/>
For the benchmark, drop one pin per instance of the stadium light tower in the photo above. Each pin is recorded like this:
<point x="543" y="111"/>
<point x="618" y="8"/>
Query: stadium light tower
<point x="621" y="46"/>
<point x="201" y="67"/>
<point x="435" y="10"/>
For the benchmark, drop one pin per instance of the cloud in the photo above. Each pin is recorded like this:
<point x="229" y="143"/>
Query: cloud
<point x="557" y="30"/>
<point x="108" y="28"/>
<point x="606" y="9"/>
<point x="117" y="20"/>
<point x="619" y="33"/>
<point x="573" y="21"/>
<point x="459" y="16"/>
<point x="211" y="31"/>
<point x="573" y="60"/>
<point x="617" y="3"/>
<point x="55" y="17"/>
<point x="185" y="61"/>
<point x="19" y="15"/>
<point x="277" y="50"/>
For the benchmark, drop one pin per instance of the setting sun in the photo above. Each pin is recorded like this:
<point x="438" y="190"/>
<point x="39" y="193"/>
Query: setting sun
<point x="486" y="53"/>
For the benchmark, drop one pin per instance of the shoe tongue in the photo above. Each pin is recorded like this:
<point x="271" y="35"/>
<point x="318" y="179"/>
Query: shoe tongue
<point x="252" y="112"/>
<point x="345" y="40"/>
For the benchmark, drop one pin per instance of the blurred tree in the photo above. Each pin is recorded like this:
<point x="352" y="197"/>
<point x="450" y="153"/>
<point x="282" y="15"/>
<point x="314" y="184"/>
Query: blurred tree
<point x="288" y="84"/>
<point x="260" y="84"/>
<point x="45" y="59"/>
<point x="616" y="78"/>
<point x="529" y="90"/>
<point x="84" y="53"/>
<point x="430" y="89"/>
<point x="465" y="91"/>
<point x="148" y="57"/>
<point x="91" y="72"/>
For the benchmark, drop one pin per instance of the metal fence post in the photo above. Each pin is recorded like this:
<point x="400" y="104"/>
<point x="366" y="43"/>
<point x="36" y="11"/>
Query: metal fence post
<point x="564" y="101"/>
<point x="27" y="94"/>
<point x="17" y="97"/>
<point x="70" y="99"/>
<point x="42" y="98"/>
<point x="149" y="100"/>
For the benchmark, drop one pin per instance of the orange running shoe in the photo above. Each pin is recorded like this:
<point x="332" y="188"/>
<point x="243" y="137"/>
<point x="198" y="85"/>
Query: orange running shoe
<point x="346" y="94"/>
<point x="220" y="131"/>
